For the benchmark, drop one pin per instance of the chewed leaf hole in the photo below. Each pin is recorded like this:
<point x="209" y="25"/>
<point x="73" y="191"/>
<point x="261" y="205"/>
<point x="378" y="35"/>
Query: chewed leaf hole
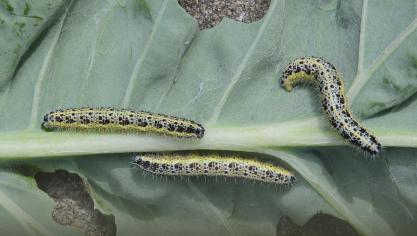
<point x="319" y="224"/>
<point x="74" y="205"/>
<point x="209" y="13"/>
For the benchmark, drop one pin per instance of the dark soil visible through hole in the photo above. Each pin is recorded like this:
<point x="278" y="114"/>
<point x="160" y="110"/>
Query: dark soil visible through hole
<point x="210" y="12"/>
<point x="74" y="206"/>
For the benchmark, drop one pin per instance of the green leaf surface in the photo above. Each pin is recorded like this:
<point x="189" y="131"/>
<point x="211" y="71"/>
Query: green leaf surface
<point x="150" y="55"/>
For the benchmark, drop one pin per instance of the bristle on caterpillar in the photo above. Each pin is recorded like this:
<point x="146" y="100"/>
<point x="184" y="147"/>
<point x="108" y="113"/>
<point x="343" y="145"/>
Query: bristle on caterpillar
<point x="322" y="73"/>
<point x="126" y="121"/>
<point x="213" y="165"/>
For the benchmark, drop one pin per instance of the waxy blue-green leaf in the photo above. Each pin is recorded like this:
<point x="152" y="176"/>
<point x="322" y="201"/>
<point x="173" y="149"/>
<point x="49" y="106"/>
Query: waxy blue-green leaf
<point x="150" y="55"/>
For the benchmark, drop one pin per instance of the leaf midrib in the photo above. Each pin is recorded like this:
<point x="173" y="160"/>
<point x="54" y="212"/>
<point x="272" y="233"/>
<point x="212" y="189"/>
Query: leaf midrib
<point x="47" y="144"/>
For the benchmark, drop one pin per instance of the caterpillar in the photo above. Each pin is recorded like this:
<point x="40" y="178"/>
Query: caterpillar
<point x="114" y="120"/>
<point x="213" y="165"/>
<point x="322" y="73"/>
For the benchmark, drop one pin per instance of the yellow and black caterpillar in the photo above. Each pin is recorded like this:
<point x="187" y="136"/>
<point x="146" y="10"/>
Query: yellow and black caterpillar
<point x="213" y="165"/>
<point x="324" y="74"/>
<point x="114" y="120"/>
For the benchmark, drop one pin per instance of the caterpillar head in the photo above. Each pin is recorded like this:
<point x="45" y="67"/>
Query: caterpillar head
<point x="295" y="73"/>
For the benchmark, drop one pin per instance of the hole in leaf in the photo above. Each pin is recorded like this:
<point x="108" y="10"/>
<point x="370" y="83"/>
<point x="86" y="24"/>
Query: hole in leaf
<point x="319" y="225"/>
<point x="74" y="205"/>
<point x="209" y="13"/>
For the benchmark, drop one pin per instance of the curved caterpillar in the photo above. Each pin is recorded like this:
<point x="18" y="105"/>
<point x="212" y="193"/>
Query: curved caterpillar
<point x="213" y="165"/>
<point x="324" y="74"/>
<point x="113" y="120"/>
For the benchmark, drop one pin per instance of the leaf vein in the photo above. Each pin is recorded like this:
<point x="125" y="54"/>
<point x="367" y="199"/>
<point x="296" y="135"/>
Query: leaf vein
<point x="141" y="59"/>
<point x="218" y="109"/>
<point x="42" y="72"/>
<point x="362" y="78"/>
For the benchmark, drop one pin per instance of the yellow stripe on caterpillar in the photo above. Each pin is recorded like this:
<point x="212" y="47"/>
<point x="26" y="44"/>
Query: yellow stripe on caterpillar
<point x="213" y="165"/>
<point x="114" y="120"/>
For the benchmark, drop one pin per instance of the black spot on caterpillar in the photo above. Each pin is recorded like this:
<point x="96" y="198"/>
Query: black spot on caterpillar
<point x="113" y="120"/>
<point x="322" y="73"/>
<point x="213" y="165"/>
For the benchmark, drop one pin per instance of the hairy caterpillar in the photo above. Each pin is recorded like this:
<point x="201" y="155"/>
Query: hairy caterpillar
<point x="318" y="71"/>
<point x="213" y="165"/>
<point x="109" y="119"/>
